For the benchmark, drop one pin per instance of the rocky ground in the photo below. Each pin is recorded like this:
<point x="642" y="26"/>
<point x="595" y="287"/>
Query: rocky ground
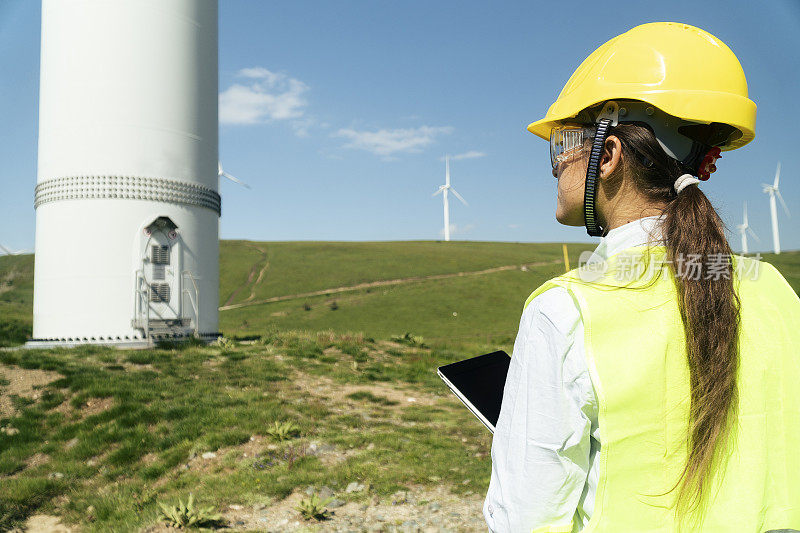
<point x="421" y="510"/>
<point x="418" y="510"/>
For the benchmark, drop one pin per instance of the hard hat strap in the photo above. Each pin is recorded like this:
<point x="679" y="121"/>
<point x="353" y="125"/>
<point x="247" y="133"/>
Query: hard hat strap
<point x="592" y="172"/>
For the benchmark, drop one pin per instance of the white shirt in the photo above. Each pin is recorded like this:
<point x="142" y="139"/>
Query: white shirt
<point x="544" y="451"/>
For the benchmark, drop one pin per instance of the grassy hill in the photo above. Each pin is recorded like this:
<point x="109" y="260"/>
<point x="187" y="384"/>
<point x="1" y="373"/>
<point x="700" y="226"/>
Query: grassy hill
<point x="439" y="290"/>
<point x="437" y="304"/>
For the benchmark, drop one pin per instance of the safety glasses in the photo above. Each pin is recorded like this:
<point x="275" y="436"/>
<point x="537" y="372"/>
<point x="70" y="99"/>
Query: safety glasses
<point x="566" y="141"/>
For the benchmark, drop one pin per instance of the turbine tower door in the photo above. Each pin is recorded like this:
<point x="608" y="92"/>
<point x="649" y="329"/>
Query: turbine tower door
<point x="158" y="281"/>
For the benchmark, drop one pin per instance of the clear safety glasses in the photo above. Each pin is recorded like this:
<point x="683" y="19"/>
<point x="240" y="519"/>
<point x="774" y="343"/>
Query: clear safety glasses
<point x="566" y="141"/>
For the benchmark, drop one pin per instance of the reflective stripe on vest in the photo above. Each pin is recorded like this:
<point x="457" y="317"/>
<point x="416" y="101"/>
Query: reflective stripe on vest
<point x="636" y="356"/>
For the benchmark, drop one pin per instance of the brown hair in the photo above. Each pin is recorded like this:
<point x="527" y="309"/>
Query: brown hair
<point x="709" y="306"/>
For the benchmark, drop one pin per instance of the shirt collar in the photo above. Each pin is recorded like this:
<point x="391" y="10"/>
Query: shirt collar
<point x="646" y="230"/>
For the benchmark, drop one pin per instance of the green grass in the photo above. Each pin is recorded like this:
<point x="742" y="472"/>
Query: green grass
<point x="16" y="298"/>
<point x="463" y="308"/>
<point x="298" y="267"/>
<point x="124" y="459"/>
<point x="486" y="306"/>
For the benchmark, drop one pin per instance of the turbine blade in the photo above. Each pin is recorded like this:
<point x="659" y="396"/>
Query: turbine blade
<point x="6" y="250"/>
<point x="745" y="213"/>
<point x="777" y="175"/>
<point x="459" y="196"/>
<point x="438" y="192"/>
<point x="235" y="180"/>
<point x="753" y="234"/>
<point x="778" y="194"/>
<point x="447" y="170"/>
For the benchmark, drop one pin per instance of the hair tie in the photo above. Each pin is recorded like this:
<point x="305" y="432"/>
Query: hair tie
<point x="684" y="181"/>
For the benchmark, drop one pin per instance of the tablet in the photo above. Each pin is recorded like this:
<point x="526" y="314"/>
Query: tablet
<point x="478" y="383"/>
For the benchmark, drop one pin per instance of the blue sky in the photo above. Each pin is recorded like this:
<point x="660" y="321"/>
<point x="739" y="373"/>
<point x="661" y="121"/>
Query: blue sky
<point x="338" y="114"/>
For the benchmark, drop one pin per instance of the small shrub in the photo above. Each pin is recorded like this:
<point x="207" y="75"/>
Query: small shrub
<point x="409" y="339"/>
<point x="292" y="454"/>
<point x="224" y="343"/>
<point x="181" y="516"/>
<point x="289" y="456"/>
<point x="314" y="509"/>
<point x="334" y="306"/>
<point x="281" y="431"/>
<point x="307" y="306"/>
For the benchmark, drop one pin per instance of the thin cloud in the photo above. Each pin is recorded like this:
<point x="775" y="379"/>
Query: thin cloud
<point x="270" y="96"/>
<point x="472" y="154"/>
<point x="386" y="143"/>
<point x="455" y="229"/>
<point x="260" y="73"/>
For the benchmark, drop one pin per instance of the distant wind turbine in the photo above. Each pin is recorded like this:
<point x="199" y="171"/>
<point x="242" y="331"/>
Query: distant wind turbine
<point x="444" y="189"/>
<point x="773" y="191"/>
<point x="9" y="252"/>
<point x="744" y="228"/>
<point x="222" y="174"/>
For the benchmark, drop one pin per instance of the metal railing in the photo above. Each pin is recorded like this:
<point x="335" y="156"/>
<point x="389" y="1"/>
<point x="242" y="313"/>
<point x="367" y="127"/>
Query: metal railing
<point x="141" y="311"/>
<point x="194" y="301"/>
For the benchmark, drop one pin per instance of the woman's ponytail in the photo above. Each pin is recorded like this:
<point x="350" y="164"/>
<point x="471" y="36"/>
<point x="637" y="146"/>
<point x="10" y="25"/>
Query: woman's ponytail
<point x="709" y="306"/>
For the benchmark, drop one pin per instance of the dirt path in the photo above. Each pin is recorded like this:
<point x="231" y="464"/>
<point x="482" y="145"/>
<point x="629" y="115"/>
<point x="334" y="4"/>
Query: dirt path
<point x="383" y="283"/>
<point x="258" y="280"/>
<point x="250" y="277"/>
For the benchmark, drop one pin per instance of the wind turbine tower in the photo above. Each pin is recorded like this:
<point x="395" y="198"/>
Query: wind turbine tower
<point x="127" y="196"/>
<point x="773" y="191"/>
<point x="444" y="189"/>
<point x="744" y="228"/>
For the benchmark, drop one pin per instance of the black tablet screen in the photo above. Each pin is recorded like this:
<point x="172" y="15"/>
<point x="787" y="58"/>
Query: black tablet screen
<point x="481" y="380"/>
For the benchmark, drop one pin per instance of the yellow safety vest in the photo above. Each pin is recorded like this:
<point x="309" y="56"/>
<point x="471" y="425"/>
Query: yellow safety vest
<point x="636" y="356"/>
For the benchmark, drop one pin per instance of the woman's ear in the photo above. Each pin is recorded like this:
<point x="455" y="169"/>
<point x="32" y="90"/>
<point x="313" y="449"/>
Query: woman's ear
<point x="611" y="158"/>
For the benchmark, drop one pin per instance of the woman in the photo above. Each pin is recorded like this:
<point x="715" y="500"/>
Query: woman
<point x="653" y="391"/>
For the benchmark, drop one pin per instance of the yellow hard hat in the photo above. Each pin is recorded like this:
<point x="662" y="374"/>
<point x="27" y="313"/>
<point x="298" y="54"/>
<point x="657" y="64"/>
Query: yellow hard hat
<point x="682" y="70"/>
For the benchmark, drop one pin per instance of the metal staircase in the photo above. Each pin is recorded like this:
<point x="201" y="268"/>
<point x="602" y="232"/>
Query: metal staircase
<point x="155" y="327"/>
